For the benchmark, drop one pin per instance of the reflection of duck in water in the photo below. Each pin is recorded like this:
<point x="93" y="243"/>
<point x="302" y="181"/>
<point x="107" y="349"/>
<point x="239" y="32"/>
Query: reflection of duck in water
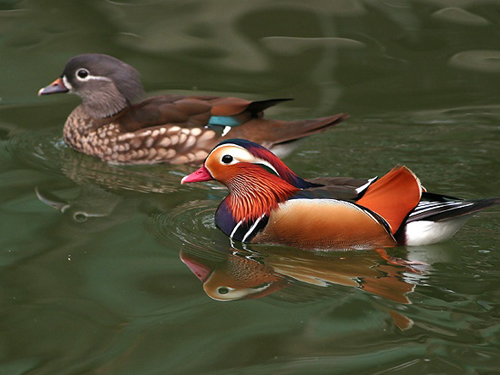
<point x="240" y="275"/>
<point x="95" y="209"/>
<point x="243" y="276"/>
<point x="157" y="179"/>
<point x="170" y="128"/>
<point x="236" y="277"/>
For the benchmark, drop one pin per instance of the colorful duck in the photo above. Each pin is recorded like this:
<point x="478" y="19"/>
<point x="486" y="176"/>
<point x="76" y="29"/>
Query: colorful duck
<point x="112" y="125"/>
<point x="268" y="203"/>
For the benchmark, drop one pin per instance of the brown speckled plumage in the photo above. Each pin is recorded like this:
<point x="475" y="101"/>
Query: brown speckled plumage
<point x="144" y="146"/>
<point x="170" y="128"/>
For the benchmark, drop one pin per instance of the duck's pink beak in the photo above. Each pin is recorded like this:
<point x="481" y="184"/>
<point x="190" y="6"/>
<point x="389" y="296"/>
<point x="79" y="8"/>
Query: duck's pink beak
<point x="200" y="270"/>
<point x="201" y="174"/>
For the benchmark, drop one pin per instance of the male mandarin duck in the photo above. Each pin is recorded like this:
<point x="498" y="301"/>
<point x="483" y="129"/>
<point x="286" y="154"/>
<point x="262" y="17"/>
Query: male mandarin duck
<point x="268" y="203"/>
<point x="112" y="125"/>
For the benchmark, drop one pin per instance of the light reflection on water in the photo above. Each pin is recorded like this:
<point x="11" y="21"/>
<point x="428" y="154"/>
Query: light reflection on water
<point x="100" y="286"/>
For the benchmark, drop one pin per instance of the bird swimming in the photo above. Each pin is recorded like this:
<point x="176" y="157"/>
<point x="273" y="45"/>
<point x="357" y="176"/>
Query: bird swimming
<point x="115" y="123"/>
<point x="269" y="203"/>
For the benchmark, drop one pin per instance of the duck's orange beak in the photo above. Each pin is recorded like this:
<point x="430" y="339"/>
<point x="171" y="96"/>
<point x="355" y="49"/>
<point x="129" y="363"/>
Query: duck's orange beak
<point x="200" y="175"/>
<point x="55" y="87"/>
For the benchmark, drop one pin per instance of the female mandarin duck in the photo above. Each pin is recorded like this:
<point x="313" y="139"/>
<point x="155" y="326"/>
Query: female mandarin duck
<point x="170" y="128"/>
<point x="268" y="203"/>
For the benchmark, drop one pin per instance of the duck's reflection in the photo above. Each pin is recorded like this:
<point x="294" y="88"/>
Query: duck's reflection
<point x="145" y="179"/>
<point x="95" y="209"/>
<point x="242" y="275"/>
<point x="237" y="274"/>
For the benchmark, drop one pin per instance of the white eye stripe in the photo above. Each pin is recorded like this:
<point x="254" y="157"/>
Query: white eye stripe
<point x="240" y="154"/>
<point x="90" y="76"/>
<point x="269" y="165"/>
<point x="97" y="78"/>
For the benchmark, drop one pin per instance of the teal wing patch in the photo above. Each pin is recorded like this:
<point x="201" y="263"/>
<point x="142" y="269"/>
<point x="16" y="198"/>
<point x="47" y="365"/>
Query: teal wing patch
<point x="224" y="121"/>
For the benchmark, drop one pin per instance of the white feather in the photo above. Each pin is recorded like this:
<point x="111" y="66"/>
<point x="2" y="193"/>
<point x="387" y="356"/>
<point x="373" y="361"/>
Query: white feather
<point x="425" y="232"/>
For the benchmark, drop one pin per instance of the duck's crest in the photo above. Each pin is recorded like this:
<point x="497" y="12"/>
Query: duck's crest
<point x="263" y="153"/>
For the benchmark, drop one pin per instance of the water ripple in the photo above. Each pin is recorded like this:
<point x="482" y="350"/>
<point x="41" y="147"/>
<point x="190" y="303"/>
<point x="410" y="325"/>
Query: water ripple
<point x="191" y="224"/>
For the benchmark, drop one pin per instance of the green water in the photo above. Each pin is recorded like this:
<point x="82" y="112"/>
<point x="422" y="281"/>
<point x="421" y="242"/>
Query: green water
<point x="101" y="286"/>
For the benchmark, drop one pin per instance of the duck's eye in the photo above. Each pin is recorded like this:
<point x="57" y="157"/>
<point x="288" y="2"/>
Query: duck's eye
<point x="82" y="73"/>
<point x="223" y="290"/>
<point x="226" y="159"/>
<point x="80" y="217"/>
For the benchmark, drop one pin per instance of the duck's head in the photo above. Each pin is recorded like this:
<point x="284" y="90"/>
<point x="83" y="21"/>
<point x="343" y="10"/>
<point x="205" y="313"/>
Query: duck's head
<point x="238" y="277"/>
<point x="105" y="84"/>
<point x="236" y="157"/>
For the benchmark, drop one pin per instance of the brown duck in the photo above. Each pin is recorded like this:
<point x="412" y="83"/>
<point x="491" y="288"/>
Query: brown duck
<point x="113" y="125"/>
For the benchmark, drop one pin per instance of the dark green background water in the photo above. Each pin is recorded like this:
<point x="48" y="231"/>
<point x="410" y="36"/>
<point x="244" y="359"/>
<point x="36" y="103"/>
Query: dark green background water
<point x="100" y="288"/>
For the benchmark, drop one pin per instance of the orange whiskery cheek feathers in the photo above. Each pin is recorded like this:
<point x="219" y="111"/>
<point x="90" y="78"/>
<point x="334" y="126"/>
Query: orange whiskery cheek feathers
<point x="255" y="192"/>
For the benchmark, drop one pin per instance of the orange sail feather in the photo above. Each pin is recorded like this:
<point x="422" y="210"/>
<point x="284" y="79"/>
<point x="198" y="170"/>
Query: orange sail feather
<point x="393" y="196"/>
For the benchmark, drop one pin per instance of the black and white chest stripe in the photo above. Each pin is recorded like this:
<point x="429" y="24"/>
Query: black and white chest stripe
<point x="245" y="231"/>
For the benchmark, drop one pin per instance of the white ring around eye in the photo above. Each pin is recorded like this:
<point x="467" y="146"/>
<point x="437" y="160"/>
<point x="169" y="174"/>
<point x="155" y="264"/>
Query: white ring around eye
<point x="81" y="74"/>
<point x="224" y="290"/>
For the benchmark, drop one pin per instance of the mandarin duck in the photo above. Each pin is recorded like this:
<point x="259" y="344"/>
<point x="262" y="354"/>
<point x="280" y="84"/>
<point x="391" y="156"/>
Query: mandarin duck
<point x="111" y="124"/>
<point x="269" y="203"/>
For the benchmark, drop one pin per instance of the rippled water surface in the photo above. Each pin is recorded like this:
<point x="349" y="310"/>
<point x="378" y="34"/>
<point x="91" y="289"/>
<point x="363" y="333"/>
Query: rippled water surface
<point x="121" y="270"/>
